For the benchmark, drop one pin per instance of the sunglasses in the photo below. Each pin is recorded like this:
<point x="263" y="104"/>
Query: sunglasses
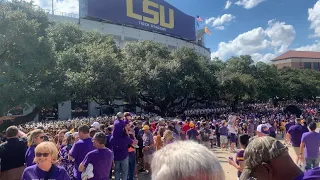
<point x="45" y="138"/>
<point x="42" y="154"/>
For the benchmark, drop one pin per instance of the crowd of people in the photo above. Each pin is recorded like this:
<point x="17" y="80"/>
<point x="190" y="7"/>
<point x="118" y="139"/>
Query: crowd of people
<point x="125" y="145"/>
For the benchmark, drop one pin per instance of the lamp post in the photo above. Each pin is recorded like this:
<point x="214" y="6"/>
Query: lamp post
<point x="52" y="7"/>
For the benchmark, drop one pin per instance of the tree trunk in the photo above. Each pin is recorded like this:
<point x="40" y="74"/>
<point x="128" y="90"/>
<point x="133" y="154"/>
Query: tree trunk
<point x="235" y="104"/>
<point x="20" y="119"/>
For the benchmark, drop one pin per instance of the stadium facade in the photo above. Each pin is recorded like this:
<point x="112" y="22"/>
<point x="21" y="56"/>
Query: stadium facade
<point x="133" y="20"/>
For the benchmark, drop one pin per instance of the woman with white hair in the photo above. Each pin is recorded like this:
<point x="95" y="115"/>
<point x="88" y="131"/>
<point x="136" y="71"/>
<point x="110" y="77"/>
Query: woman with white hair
<point x="46" y="155"/>
<point x="186" y="160"/>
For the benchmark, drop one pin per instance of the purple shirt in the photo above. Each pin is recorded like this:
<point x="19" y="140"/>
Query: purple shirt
<point x="78" y="151"/>
<point x="312" y="144"/>
<point x="108" y="140"/>
<point x="296" y="132"/>
<point x="34" y="172"/>
<point x="239" y="157"/>
<point x="223" y="130"/>
<point x="30" y="154"/>
<point x="192" y="134"/>
<point x="101" y="160"/>
<point x="65" y="162"/>
<point x="313" y="174"/>
<point x="118" y="128"/>
<point x="288" y="125"/>
<point x="119" y="146"/>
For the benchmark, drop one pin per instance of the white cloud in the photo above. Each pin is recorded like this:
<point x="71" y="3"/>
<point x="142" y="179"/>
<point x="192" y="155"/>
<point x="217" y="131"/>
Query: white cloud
<point x="219" y="27"/>
<point x="248" y="4"/>
<point x="263" y="57"/>
<point x="312" y="47"/>
<point x="219" y="22"/>
<point x="314" y="18"/>
<point x="59" y="6"/>
<point x="276" y="38"/>
<point x="281" y="34"/>
<point x="228" y="4"/>
<point x="210" y="20"/>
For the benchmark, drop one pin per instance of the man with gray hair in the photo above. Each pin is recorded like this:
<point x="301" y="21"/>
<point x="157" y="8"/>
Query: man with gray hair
<point x="186" y="160"/>
<point x="266" y="158"/>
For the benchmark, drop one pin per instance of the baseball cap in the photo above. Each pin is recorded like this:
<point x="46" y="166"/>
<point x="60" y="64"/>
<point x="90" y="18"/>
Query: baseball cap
<point x="95" y="125"/>
<point x="145" y="127"/>
<point x="260" y="150"/>
<point x="262" y="128"/>
<point x="191" y="125"/>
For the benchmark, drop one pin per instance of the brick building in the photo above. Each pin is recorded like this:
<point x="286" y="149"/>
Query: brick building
<point x="298" y="59"/>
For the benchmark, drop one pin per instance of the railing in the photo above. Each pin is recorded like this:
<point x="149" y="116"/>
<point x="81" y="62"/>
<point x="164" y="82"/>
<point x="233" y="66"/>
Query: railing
<point x="60" y="13"/>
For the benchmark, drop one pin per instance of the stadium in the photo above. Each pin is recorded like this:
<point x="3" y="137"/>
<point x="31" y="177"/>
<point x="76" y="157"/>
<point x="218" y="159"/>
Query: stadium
<point x="127" y="21"/>
<point x="137" y="20"/>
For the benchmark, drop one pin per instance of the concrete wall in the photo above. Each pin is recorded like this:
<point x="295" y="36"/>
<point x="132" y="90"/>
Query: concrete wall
<point x="93" y="110"/>
<point x="64" y="110"/>
<point x="124" y="34"/>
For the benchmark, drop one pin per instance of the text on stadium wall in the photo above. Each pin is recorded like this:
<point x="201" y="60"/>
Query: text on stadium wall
<point x="158" y="17"/>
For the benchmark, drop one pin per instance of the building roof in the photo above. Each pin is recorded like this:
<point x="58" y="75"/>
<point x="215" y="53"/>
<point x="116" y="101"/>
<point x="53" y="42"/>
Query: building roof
<point x="298" y="54"/>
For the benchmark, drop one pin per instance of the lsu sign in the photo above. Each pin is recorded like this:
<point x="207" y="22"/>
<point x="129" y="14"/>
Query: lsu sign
<point x="155" y="15"/>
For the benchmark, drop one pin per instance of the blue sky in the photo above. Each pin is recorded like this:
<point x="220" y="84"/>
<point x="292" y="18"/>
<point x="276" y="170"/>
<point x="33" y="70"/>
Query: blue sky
<point x="287" y="16"/>
<point x="263" y="29"/>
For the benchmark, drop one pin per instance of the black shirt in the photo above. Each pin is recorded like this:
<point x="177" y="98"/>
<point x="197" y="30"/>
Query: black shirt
<point x="12" y="153"/>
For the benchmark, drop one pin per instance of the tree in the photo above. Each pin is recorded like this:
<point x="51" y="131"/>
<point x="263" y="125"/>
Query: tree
<point x="27" y="64"/>
<point x="91" y="65"/>
<point x="236" y="87"/>
<point x="269" y="84"/>
<point x="236" y="80"/>
<point x="65" y="36"/>
<point x="300" y="83"/>
<point x="166" y="82"/>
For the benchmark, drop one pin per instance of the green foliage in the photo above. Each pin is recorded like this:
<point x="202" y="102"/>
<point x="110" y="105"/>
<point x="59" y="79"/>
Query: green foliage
<point x="27" y="64"/>
<point x="166" y="82"/>
<point x="43" y="63"/>
<point x="90" y="62"/>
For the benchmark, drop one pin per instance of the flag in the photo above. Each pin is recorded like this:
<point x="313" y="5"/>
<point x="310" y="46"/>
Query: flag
<point x="207" y="31"/>
<point x="199" y="19"/>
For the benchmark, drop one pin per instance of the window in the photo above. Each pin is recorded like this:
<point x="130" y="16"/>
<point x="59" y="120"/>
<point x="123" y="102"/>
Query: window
<point x="307" y="65"/>
<point x="316" y="66"/>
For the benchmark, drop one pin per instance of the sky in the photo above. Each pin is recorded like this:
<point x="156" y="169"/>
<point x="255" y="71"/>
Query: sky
<point x="263" y="29"/>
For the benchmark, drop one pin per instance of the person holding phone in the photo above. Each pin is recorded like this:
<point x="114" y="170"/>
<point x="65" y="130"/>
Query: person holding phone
<point x="239" y="163"/>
